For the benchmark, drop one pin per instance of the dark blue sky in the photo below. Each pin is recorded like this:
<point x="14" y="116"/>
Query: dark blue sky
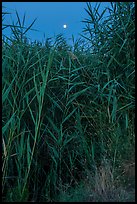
<point x="51" y="16"/>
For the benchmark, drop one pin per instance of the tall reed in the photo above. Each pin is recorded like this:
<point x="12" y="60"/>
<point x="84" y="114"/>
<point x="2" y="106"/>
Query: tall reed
<point x="67" y="108"/>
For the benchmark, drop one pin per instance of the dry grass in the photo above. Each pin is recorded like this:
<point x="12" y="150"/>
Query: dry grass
<point x="99" y="187"/>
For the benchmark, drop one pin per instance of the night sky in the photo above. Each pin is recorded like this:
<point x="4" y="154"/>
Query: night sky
<point x="51" y="16"/>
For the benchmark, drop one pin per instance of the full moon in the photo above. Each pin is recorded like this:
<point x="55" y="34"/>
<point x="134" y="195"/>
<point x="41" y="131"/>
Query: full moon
<point x="64" y="26"/>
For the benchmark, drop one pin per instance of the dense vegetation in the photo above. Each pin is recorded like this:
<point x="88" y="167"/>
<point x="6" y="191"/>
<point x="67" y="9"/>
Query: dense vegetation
<point x="68" y="111"/>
